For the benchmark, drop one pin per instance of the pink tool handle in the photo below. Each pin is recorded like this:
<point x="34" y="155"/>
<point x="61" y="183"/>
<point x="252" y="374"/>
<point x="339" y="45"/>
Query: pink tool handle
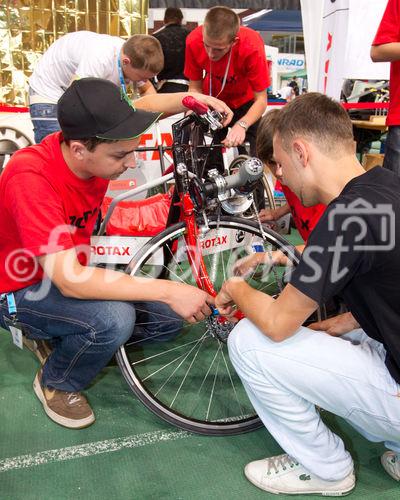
<point x="196" y="106"/>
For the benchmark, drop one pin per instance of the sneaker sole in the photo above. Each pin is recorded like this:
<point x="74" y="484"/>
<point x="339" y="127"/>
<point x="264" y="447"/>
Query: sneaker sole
<point x="341" y="493"/>
<point x="388" y="471"/>
<point x="65" y="422"/>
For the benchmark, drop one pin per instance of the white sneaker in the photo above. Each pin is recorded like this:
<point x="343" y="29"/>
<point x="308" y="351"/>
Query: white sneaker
<point x="282" y="474"/>
<point x="391" y="463"/>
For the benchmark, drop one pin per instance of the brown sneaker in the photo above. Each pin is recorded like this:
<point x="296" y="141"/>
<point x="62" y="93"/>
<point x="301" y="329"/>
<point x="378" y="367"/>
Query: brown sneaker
<point x="40" y="348"/>
<point x="69" y="409"/>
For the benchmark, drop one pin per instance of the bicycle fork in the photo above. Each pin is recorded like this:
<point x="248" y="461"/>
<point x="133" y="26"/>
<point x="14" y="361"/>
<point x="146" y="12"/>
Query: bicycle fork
<point x="195" y="257"/>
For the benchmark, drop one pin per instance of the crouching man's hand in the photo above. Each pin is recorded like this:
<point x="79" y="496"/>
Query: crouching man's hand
<point x="225" y="304"/>
<point x="336" y="326"/>
<point x="189" y="302"/>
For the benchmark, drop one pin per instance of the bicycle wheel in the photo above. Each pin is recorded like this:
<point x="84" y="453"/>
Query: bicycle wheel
<point x="188" y="380"/>
<point x="11" y="140"/>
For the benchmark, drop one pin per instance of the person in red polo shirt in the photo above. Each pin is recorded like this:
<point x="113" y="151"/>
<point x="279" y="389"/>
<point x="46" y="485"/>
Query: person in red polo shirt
<point x="386" y="47"/>
<point x="232" y="59"/>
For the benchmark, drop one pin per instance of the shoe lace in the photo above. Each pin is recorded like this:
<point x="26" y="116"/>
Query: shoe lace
<point x="279" y="463"/>
<point x="73" y="398"/>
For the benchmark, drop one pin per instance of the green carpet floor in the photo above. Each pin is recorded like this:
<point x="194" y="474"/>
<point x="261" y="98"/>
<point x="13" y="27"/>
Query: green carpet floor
<point x="131" y="454"/>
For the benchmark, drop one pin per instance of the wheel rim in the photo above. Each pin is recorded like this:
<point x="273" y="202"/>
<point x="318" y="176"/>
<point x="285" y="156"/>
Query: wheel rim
<point x="188" y="379"/>
<point x="11" y="140"/>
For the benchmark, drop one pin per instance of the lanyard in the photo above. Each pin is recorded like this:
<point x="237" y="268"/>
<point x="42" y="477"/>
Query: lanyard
<point x="124" y="93"/>
<point x="12" y="308"/>
<point x="121" y="76"/>
<point x="225" y="76"/>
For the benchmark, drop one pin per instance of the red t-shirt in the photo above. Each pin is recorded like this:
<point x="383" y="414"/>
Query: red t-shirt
<point x="389" y="32"/>
<point x="45" y="208"/>
<point x="247" y="73"/>
<point x="305" y="218"/>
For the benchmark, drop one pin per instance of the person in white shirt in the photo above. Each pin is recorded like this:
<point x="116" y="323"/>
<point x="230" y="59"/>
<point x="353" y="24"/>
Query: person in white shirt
<point x="286" y="93"/>
<point x="84" y="54"/>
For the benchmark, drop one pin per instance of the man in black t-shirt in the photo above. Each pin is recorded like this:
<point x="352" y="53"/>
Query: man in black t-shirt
<point x="172" y="37"/>
<point x="350" y="364"/>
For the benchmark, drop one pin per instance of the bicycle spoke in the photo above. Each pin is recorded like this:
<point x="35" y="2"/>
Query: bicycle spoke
<point x="213" y="387"/>
<point x="177" y="262"/>
<point x="232" y="384"/>
<point x="224" y="273"/>
<point x="206" y="375"/>
<point x="187" y="373"/>
<point x="186" y="327"/>
<point x="180" y="364"/>
<point x="163" y="353"/>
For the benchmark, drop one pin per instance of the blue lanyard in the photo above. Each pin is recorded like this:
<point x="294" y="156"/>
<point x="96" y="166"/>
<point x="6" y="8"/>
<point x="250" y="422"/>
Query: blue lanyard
<point x="124" y="94"/>
<point x="121" y="76"/>
<point x="12" y="308"/>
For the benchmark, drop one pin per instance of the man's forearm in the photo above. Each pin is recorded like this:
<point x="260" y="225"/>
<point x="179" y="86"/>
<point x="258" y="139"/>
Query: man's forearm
<point x="256" y="111"/>
<point x="147" y="89"/>
<point x="387" y="52"/>
<point x="91" y="283"/>
<point x="281" y="211"/>
<point x="168" y="104"/>
<point x="196" y="86"/>
<point x="252" y="303"/>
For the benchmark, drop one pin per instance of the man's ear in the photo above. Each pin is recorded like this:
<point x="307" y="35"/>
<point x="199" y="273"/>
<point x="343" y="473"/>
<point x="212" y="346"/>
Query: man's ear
<point x="301" y="151"/>
<point x="78" y="150"/>
<point x="125" y="61"/>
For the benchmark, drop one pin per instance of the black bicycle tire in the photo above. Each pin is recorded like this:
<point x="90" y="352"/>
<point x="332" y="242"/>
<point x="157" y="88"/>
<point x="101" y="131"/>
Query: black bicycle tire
<point x="158" y="408"/>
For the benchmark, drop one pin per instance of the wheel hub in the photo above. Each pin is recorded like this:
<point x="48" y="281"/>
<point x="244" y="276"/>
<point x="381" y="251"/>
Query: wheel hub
<point x="219" y="329"/>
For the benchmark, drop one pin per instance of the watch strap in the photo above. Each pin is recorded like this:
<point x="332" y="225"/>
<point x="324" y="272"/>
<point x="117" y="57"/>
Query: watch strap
<point x="243" y="124"/>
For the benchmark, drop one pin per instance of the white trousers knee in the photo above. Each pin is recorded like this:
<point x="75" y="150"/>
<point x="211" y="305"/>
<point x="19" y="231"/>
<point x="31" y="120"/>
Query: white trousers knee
<point x="344" y="375"/>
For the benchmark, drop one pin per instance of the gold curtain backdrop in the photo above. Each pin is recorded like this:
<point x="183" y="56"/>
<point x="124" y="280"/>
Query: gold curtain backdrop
<point x="28" y="28"/>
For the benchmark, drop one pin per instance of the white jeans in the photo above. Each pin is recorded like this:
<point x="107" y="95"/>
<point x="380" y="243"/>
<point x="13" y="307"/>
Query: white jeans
<point x="344" y="375"/>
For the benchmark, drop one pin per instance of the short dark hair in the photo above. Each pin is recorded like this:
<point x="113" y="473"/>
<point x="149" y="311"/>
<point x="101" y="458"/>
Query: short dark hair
<point x="265" y="134"/>
<point x="221" y="22"/>
<point x="90" y="143"/>
<point x="318" y="118"/>
<point x="173" y="15"/>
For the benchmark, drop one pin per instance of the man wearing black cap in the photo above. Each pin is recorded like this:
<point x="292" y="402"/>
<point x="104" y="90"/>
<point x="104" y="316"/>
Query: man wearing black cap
<point x="50" y="196"/>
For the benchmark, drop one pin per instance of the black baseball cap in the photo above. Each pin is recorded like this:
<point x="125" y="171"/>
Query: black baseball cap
<point x="93" y="107"/>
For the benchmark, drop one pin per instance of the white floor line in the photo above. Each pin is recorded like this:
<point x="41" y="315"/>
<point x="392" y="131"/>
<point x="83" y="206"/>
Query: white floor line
<point x="90" y="449"/>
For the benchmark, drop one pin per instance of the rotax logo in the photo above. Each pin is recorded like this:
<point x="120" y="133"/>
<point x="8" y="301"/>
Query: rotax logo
<point x="110" y="250"/>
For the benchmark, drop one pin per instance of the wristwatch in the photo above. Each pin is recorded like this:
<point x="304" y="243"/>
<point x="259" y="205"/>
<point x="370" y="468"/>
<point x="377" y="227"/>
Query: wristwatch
<point x="243" y="124"/>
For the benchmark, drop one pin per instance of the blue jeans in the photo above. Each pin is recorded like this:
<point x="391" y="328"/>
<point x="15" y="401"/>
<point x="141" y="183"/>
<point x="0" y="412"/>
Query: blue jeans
<point x="86" y="333"/>
<point x="44" y="119"/>
<point x="392" y="150"/>
<point x="345" y="375"/>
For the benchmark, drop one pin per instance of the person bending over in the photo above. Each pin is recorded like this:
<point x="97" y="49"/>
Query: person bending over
<point x="83" y="54"/>
<point x="305" y="218"/>
<point x="228" y="61"/>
